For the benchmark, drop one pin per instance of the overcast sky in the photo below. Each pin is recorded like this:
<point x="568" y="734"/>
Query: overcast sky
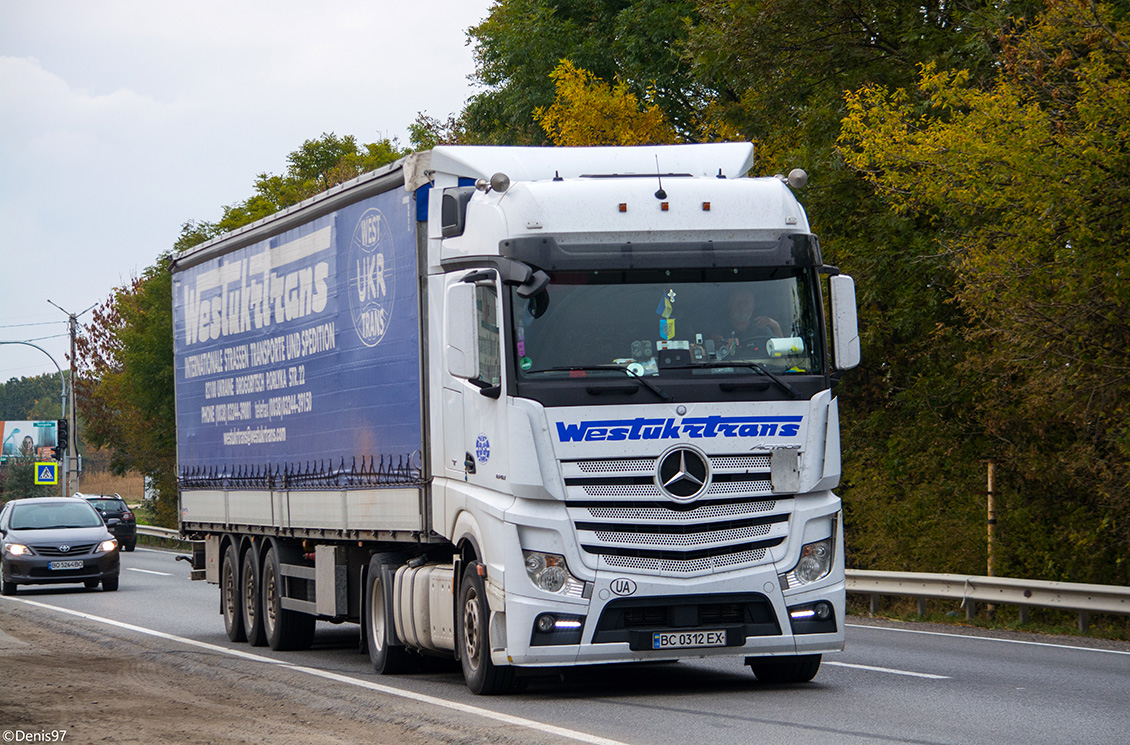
<point x="120" y="120"/>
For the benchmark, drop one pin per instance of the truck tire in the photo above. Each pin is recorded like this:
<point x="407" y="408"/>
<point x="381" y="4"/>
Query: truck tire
<point x="229" y="595"/>
<point x="472" y="638"/>
<point x="387" y="658"/>
<point x="285" y="629"/>
<point x="799" y="669"/>
<point x="250" y="606"/>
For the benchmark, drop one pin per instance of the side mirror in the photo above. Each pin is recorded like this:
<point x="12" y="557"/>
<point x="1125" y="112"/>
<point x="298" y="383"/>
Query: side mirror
<point x="461" y="350"/>
<point x="845" y="325"/>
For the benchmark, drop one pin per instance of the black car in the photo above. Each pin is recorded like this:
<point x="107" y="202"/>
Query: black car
<point x="118" y="516"/>
<point x="55" y="540"/>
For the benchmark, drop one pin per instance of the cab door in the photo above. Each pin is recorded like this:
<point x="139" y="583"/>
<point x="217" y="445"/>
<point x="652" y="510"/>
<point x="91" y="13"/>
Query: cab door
<point x="474" y="396"/>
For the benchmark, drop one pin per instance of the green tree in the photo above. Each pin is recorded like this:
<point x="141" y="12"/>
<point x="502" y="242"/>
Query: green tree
<point x="522" y="42"/>
<point x="37" y="397"/>
<point x="125" y="383"/>
<point x="1025" y="180"/>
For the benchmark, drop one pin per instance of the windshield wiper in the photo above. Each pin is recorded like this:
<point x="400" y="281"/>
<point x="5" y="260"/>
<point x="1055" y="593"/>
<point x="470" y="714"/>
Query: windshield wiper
<point x="615" y="368"/>
<point x="751" y="365"/>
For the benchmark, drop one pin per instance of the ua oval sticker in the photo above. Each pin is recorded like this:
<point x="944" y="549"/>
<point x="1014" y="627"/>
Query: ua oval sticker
<point x="623" y="587"/>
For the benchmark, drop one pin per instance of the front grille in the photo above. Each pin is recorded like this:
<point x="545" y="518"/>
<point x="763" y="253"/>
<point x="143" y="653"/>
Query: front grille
<point x="624" y="521"/>
<point x="75" y="550"/>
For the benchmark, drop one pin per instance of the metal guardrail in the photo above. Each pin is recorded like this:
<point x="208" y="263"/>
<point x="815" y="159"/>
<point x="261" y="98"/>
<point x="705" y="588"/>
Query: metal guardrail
<point x="1024" y="593"/>
<point x="155" y="532"/>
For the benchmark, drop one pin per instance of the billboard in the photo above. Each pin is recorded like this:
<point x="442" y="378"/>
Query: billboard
<point x="25" y="438"/>
<point x="303" y="348"/>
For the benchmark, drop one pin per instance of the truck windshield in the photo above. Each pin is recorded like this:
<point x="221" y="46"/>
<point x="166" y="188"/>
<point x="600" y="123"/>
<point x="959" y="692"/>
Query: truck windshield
<point x="696" y="322"/>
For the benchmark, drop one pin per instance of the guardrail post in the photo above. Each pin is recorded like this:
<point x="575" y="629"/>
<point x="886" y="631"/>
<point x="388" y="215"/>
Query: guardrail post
<point x="921" y="607"/>
<point x="874" y="604"/>
<point x="1023" y="614"/>
<point x="1084" y="622"/>
<point x="970" y="610"/>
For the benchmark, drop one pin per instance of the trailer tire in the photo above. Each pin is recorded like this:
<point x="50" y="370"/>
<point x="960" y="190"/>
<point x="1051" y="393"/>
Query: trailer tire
<point x="283" y="628"/>
<point x="250" y="605"/>
<point x="472" y="638"/>
<point x="799" y="669"/>
<point x="229" y="595"/>
<point x="387" y="658"/>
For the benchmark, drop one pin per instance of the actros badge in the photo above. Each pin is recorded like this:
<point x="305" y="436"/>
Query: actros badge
<point x="370" y="277"/>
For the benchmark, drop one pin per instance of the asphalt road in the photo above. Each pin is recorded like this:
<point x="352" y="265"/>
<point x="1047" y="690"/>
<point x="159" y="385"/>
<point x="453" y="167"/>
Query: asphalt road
<point x="893" y="684"/>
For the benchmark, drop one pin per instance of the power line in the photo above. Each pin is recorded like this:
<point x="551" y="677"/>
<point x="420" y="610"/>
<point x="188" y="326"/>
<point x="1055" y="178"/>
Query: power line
<point x="21" y="325"/>
<point x="41" y="338"/>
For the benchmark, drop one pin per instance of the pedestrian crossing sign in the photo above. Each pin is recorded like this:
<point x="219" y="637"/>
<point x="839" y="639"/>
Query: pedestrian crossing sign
<point x="46" y="473"/>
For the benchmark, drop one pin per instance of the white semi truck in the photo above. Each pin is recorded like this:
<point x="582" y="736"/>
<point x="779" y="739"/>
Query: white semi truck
<point x="527" y="407"/>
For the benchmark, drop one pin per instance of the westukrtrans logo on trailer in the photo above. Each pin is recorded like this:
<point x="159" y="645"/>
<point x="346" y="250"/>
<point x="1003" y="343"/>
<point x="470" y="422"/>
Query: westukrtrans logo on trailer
<point x="370" y="277"/>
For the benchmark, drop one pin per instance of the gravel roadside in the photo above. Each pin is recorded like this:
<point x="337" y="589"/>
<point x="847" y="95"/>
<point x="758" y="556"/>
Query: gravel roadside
<point x="104" y="685"/>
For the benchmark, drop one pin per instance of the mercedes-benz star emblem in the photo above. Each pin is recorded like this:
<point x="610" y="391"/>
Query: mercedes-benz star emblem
<point x="683" y="474"/>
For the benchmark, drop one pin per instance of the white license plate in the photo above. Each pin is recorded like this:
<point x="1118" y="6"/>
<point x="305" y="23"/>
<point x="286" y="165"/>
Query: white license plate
<point x="64" y="565"/>
<point x="686" y="639"/>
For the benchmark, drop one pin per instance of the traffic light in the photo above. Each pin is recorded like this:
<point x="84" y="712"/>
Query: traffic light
<point x="62" y="435"/>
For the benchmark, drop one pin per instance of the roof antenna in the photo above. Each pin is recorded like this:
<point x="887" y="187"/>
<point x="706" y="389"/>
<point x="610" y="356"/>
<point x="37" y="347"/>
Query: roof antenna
<point x="659" y="194"/>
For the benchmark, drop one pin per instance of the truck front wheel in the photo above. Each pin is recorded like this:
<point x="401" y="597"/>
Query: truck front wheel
<point x="799" y="669"/>
<point x="387" y="658"/>
<point x="472" y="637"/>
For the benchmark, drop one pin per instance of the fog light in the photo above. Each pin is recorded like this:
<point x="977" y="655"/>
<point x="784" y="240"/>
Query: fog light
<point x="822" y="611"/>
<point x="546" y="623"/>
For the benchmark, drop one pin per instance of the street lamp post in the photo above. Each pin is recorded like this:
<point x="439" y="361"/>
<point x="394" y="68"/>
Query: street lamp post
<point x="63" y="381"/>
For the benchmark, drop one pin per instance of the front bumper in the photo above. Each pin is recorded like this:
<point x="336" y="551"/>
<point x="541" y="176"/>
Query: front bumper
<point x="748" y="607"/>
<point x="36" y="570"/>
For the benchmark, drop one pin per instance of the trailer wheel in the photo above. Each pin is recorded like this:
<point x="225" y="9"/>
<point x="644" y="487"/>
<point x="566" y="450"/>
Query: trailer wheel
<point x="284" y="629"/>
<point x="250" y="605"/>
<point x="472" y="638"/>
<point x="387" y="658"/>
<point x="799" y="669"/>
<point x="229" y="595"/>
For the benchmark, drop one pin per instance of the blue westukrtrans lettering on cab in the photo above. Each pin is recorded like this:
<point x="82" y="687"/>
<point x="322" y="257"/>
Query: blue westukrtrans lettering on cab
<point x="695" y="428"/>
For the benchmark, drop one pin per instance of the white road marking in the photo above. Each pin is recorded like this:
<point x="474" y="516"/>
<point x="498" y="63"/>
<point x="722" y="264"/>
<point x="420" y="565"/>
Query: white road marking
<point x="420" y="697"/>
<point x="148" y="571"/>
<point x="892" y="671"/>
<point x="989" y="639"/>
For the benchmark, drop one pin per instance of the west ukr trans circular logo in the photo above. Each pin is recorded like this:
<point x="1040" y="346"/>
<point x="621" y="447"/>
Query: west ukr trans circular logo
<point x="370" y="277"/>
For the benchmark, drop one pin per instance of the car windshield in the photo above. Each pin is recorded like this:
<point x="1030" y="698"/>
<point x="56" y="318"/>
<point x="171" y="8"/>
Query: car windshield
<point x="108" y="505"/>
<point x="702" y="321"/>
<point x="54" y="515"/>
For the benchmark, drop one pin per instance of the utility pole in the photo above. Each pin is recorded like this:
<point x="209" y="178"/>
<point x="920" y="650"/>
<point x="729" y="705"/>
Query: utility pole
<point x="72" y="439"/>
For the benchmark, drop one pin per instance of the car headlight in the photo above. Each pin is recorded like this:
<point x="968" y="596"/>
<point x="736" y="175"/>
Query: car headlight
<point x="17" y="549"/>
<point x="108" y="546"/>
<point x="550" y="573"/>
<point x="815" y="564"/>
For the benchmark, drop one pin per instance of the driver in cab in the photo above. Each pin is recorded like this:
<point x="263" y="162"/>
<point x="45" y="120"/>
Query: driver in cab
<point x="748" y="332"/>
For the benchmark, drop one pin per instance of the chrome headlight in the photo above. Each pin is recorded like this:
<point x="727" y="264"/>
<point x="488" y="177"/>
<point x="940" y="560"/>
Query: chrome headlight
<point x="550" y="573"/>
<point x="107" y="546"/>
<point x="815" y="564"/>
<point x="17" y="549"/>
